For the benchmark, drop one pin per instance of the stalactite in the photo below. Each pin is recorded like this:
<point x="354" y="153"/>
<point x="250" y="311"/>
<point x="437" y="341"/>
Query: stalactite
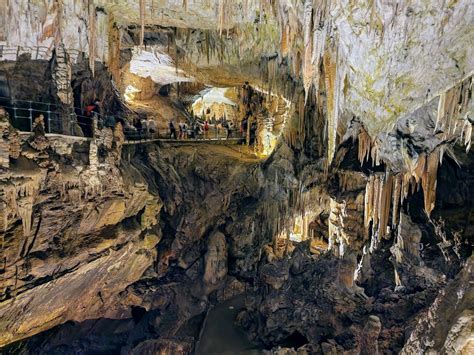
<point x="364" y="145"/>
<point x="285" y="39"/>
<point x="142" y="21"/>
<point x="308" y="47"/>
<point x="385" y="200"/>
<point x="454" y="108"/>
<point x="428" y="180"/>
<point x="25" y="212"/>
<point x="377" y="204"/>
<point x="466" y="134"/>
<point x="330" y="69"/>
<point x="114" y="50"/>
<point x="320" y="30"/>
<point x="369" y="203"/>
<point x="92" y="36"/>
<point x="397" y="191"/>
<point x="222" y="15"/>
<point x="20" y="200"/>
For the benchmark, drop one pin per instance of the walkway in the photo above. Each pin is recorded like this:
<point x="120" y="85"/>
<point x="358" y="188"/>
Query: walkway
<point x="36" y="52"/>
<point x="61" y="124"/>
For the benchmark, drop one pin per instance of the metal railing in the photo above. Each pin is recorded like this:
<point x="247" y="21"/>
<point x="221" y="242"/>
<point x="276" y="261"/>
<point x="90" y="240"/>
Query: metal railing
<point x="36" y="52"/>
<point x="166" y="134"/>
<point x="24" y="112"/>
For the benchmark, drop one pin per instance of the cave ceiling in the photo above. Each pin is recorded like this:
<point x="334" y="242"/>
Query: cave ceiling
<point x="389" y="57"/>
<point x="383" y="59"/>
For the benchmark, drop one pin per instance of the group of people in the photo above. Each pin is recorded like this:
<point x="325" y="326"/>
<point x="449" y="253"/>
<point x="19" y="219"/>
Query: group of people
<point x="184" y="130"/>
<point x="138" y="128"/>
<point x="144" y="128"/>
<point x="223" y="129"/>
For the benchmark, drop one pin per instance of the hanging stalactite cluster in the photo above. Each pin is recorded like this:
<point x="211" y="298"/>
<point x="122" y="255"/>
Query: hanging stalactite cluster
<point x="456" y="113"/>
<point x="453" y="122"/>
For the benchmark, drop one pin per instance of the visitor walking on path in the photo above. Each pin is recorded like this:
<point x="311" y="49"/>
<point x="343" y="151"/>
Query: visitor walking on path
<point x="206" y="130"/>
<point x="172" y="130"/>
<point x="185" y="131"/>
<point x="180" y="124"/>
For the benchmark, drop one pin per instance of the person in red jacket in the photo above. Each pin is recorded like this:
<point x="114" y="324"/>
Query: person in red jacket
<point x="206" y="130"/>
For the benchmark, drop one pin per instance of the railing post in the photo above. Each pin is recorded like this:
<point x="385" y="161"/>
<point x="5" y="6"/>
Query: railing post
<point x="14" y="110"/>
<point x="49" y="118"/>
<point x="30" y="116"/>
<point x="71" y="123"/>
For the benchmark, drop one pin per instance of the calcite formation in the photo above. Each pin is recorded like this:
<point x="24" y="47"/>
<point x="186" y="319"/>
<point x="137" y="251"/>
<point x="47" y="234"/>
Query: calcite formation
<point x="344" y="227"/>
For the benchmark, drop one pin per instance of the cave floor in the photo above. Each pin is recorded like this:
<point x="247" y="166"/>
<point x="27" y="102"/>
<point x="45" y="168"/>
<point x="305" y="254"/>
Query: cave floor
<point x="221" y="335"/>
<point x="238" y="153"/>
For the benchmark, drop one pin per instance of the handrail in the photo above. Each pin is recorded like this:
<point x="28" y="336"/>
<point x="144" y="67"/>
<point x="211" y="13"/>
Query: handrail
<point x="54" y="124"/>
<point x="46" y="52"/>
<point x="38" y="103"/>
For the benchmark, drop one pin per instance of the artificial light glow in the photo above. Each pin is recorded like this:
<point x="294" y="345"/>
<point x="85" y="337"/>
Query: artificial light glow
<point x="130" y="92"/>
<point x="268" y="138"/>
<point x="215" y="100"/>
<point x="156" y="65"/>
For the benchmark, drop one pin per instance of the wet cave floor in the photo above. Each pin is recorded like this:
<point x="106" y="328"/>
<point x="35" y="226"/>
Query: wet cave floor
<point x="221" y="335"/>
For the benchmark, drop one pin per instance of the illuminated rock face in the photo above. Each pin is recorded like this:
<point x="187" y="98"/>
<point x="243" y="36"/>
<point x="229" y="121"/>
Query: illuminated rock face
<point x="351" y="236"/>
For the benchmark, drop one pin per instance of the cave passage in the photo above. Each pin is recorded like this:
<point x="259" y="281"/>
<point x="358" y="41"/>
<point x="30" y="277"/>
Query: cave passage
<point x="272" y="177"/>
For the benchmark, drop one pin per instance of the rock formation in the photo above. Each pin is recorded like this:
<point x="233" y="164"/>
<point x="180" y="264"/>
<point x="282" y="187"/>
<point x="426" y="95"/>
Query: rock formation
<point x="341" y="224"/>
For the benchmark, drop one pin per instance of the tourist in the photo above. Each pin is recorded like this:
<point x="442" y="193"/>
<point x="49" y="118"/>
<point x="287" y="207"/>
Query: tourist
<point x="152" y="127"/>
<point x="180" y="125"/>
<point x="172" y="130"/>
<point x="129" y="130"/>
<point x="218" y="129"/>
<point x="144" y="123"/>
<point x="185" y="130"/>
<point x="243" y="127"/>
<point x="85" y="122"/>
<point x="96" y="107"/>
<point x="38" y="126"/>
<point x="110" y="122"/>
<point x="89" y="109"/>
<point x="227" y="128"/>
<point x="196" y="130"/>
<point x="206" y="129"/>
<point x="138" y="125"/>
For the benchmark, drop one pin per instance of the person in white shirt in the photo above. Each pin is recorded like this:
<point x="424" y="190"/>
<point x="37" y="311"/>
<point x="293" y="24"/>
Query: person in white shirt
<point x="152" y="127"/>
<point x="180" y="130"/>
<point x="144" y="123"/>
